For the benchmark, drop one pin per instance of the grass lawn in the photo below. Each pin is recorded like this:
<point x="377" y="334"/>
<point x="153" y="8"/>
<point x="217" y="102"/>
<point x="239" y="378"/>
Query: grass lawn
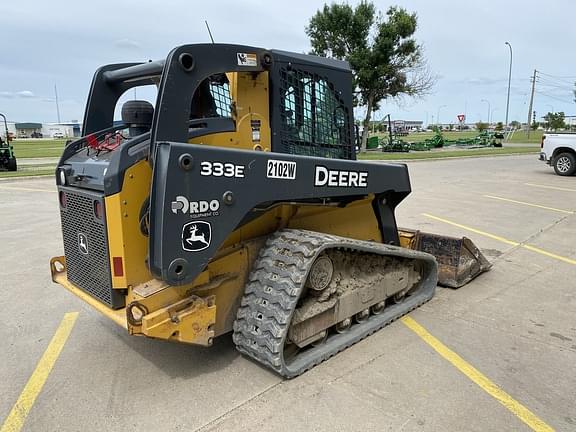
<point x="439" y="154"/>
<point x="518" y="137"/>
<point x="37" y="148"/>
<point x="30" y="170"/>
<point x="421" y="136"/>
<point x="522" y="137"/>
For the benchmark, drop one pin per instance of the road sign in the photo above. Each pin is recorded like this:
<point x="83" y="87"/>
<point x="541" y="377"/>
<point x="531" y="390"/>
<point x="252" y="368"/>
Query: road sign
<point x="461" y="117"/>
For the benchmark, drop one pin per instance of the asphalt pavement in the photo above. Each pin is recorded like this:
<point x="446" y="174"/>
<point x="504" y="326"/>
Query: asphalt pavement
<point x="498" y="354"/>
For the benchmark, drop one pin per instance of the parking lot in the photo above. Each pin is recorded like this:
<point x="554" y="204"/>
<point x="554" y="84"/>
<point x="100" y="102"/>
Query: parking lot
<point x="498" y="354"/>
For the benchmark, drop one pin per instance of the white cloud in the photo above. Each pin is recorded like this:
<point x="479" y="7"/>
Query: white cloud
<point x="25" y="94"/>
<point x="482" y="81"/>
<point x="6" y="95"/>
<point x="128" y="44"/>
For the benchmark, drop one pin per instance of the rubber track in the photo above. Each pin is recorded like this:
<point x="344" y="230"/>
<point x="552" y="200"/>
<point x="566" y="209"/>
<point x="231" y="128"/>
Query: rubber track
<point x="275" y="285"/>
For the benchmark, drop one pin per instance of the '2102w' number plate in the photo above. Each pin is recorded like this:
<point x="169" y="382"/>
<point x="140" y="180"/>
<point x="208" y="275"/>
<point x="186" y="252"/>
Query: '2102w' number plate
<point x="278" y="169"/>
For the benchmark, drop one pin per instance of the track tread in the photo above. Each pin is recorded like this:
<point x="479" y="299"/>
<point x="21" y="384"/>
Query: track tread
<point x="274" y="287"/>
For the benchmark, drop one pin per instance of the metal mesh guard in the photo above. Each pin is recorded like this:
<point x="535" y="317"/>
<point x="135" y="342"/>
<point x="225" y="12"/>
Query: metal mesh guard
<point x="87" y="269"/>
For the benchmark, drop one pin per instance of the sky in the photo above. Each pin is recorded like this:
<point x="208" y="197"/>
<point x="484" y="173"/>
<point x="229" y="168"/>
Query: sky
<point x="62" y="42"/>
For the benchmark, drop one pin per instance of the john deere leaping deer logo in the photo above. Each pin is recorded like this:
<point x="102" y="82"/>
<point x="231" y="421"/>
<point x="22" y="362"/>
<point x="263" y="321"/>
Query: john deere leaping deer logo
<point x="196" y="236"/>
<point x="83" y="243"/>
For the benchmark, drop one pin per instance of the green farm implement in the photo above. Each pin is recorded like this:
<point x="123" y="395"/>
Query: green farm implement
<point x="7" y="157"/>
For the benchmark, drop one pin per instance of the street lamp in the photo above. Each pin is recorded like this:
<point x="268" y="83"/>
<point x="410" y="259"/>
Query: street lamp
<point x="438" y="114"/>
<point x="509" y="79"/>
<point x="492" y="115"/>
<point x="488" y="102"/>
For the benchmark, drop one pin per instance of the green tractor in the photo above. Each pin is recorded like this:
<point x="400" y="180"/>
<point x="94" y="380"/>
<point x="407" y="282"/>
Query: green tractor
<point x="7" y="157"/>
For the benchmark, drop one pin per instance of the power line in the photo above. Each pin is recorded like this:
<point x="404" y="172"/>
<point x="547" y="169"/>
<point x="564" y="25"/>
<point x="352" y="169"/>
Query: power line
<point x="558" y="76"/>
<point x="555" y="87"/>
<point x="553" y="83"/>
<point x="557" y="92"/>
<point x="553" y="97"/>
<point x="564" y="80"/>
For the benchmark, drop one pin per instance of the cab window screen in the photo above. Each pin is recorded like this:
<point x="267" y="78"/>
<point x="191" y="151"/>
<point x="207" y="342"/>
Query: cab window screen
<point x="314" y="121"/>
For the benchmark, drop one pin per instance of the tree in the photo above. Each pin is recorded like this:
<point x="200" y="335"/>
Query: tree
<point x="385" y="59"/>
<point x="555" y="121"/>
<point x="481" y="126"/>
<point x="515" y="124"/>
<point x="499" y="126"/>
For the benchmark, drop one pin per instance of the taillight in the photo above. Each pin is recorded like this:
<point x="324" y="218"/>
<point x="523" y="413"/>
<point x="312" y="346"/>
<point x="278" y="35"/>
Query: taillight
<point x="62" y="198"/>
<point x="542" y="141"/>
<point x="98" y="209"/>
<point x="118" y="266"/>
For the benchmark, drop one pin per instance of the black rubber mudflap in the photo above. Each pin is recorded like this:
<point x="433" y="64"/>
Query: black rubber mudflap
<point x="276" y="283"/>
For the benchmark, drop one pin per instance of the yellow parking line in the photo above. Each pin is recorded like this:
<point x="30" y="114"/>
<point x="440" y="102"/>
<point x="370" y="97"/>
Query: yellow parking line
<point x="26" y="189"/>
<point x="21" y="408"/>
<point x="474" y="230"/>
<point x="479" y="378"/>
<point x="503" y="240"/>
<point x="529" y="204"/>
<point x="550" y="187"/>
<point x="549" y="254"/>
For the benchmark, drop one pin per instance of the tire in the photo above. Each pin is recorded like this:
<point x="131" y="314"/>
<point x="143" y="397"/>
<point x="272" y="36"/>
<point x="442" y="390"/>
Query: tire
<point x="12" y="165"/>
<point x="565" y="164"/>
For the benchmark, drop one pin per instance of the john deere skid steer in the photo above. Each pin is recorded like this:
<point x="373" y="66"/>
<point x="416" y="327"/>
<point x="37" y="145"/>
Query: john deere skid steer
<point x="235" y="204"/>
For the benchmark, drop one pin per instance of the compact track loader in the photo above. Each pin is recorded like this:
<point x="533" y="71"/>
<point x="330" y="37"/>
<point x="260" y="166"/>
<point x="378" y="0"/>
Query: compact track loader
<point x="236" y="205"/>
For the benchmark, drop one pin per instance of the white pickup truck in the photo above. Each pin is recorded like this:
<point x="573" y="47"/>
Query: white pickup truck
<point x="559" y="150"/>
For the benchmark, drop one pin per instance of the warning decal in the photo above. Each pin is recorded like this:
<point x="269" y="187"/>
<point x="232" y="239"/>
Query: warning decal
<point x="245" y="59"/>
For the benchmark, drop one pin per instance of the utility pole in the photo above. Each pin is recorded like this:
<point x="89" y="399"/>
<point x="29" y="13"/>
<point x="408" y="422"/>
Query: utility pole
<point x="489" y="110"/>
<point x="509" y="79"/>
<point x="57" y="106"/>
<point x="531" y="102"/>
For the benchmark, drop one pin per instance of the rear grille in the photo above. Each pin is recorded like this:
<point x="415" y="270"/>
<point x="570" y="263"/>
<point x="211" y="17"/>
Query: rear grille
<point x="86" y="246"/>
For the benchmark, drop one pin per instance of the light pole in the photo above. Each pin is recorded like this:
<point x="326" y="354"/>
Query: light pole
<point x="509" y="79"/>
<point x="488" y="102"/>
<point x="438" y="114"/>
<point x="492" y="115"/>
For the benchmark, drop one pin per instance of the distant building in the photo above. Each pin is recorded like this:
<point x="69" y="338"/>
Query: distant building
<point x="407" y="125"/>
<point x="51" y="129"/>
<point x="42" y="130"/>
<point x="403" y="125"/>
<point x="28" y="130"/>
<point x="76" y="128"/>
